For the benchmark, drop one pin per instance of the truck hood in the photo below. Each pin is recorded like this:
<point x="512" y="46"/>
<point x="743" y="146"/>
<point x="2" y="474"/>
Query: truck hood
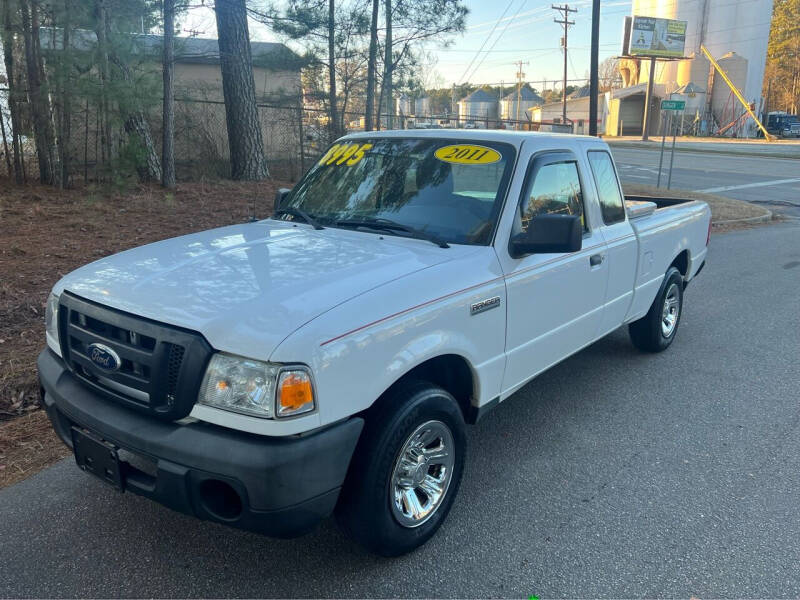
<point x="246" y="287"/>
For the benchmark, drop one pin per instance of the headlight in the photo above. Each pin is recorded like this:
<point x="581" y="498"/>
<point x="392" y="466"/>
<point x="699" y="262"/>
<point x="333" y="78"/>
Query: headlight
<point x="51" y="324"/>
<point x="249" y="386"/>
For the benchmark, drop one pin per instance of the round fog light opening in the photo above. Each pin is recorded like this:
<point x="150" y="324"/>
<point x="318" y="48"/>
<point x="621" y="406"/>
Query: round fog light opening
<point x="220" y="500"/>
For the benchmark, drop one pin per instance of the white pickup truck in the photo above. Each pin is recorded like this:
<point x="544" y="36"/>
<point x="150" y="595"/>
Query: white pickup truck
<point x="268" y="374"/>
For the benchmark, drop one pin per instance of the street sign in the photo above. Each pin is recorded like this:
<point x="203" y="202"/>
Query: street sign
<point x="673" y="104"/>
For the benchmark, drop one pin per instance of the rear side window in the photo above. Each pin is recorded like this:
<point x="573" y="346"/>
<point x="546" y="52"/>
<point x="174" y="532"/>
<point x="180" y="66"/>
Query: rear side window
<point x="555" y="189"/>
<point x="608" y="191"/>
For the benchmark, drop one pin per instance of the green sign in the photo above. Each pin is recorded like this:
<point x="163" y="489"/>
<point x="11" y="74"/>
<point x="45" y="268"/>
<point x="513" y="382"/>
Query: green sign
<point x="673" y="104"/>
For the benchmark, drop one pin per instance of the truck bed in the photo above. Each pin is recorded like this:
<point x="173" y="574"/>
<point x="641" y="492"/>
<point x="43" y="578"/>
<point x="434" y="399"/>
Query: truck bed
<point x="656" y="221"/>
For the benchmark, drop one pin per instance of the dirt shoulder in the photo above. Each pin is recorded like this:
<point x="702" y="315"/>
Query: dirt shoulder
<point x="782" y="148"/>
<point x="724" y="211"/>
<point x="28" y="445"/>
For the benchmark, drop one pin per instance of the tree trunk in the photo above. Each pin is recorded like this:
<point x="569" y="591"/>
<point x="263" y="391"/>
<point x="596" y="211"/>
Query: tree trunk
<point x="136" y="124"/>
<point x="387" y="65"/>
<point x="238" y="88"/>
<point x="371" y="66"/>
<point x="380" y="104"/>
<point x="41" y="112"/>
<point x="101" y="28"/>
<point x="65" y="113"/>
<point x="332" y="71"/>
<point x="167" y="149"/>
<point x="5" y="142"/>
<point x="13" y="93"/>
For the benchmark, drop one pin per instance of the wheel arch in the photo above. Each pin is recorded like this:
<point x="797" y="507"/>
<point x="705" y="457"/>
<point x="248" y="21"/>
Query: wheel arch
<point x="682" y="262"/>
<point x="452" y="372"/>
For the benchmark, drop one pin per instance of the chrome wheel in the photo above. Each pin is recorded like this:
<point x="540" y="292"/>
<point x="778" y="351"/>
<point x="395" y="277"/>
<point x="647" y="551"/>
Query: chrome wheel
<point x="671" y="310"/>
<point x="422" y="473"/>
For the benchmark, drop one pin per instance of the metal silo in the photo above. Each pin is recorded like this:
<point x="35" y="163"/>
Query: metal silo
<point x="723" y="26"/>
<point x="515" y="105"/>
<point x="480" y="104"/>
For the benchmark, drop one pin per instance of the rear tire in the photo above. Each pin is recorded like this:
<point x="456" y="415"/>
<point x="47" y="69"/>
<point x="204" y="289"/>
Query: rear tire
<point x="406" y="470"/>
<point x="655" y="331"/>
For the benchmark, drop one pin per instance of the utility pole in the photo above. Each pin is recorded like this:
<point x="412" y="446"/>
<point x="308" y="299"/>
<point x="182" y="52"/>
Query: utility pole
<point x="453" y="105"/>
<point x="565" y="22"/>
<point x="520" y="76"/>
<point x="648" y="98"/>
<point x="594" y="87"/>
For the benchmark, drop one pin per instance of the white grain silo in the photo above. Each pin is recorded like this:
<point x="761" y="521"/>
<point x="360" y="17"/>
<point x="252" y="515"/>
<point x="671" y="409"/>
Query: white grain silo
<point x="514" y="106"/>
<point x="724" y="106"/>
<point x="422" y="106"/>
<point x="479" y="105"/>
<point x="722" y="26"/>
<point x="403" y="105"/>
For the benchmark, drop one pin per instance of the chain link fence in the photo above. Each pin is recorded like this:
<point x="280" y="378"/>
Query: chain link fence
<point x="294" y="138"/>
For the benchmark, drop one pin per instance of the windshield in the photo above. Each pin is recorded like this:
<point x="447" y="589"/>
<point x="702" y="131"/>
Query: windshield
<point x="448" y="189"/>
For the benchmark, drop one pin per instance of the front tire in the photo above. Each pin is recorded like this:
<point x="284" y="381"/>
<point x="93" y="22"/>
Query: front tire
<point x="406" y="469"/>
<point x="655" y="331"/>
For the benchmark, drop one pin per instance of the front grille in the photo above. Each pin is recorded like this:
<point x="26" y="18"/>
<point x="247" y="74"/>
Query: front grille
<point x="159" y="367"/>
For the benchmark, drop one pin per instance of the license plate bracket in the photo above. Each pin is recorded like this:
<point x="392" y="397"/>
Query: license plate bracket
<point x="98" y="457"/>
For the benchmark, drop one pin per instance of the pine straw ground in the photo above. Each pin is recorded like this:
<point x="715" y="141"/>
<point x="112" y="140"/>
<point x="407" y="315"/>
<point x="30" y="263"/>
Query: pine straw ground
<point x="46" y="233"/>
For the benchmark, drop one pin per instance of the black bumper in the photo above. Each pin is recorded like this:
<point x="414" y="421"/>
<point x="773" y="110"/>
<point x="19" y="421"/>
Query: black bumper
<point x="273" y="485"/>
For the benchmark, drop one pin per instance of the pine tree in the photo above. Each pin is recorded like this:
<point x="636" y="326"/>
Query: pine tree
<point x="783" y="57"/>
<point x="238" y="88"/>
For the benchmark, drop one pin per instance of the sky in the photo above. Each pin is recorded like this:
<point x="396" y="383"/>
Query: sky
<point x="498" y="34"/>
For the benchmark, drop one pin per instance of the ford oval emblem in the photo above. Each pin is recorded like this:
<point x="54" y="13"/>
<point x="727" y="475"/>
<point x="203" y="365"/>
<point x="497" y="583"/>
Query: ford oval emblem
<point x="104" y="358"/>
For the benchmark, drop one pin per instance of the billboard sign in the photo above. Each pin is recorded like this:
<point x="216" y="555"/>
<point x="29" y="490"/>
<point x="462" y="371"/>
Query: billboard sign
<point x="657" y="37"/>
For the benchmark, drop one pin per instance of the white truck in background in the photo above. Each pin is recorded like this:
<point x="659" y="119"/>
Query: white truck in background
<point x="327" y="359"/>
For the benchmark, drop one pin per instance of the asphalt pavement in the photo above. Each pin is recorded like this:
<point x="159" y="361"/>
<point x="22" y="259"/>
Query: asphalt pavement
<point x="767" y="181"/>
<point x="614" y="474"/>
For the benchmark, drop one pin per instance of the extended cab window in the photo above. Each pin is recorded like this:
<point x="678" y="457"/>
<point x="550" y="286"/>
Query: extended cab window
<point x="608" y="192"/>
<point x="555" y="188"/>
<point x="450" y="189"/>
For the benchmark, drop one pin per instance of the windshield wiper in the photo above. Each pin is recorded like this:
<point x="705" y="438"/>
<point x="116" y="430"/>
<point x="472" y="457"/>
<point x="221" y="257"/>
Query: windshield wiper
<point x="389" y="225"/>
<point x="298" y="212"/>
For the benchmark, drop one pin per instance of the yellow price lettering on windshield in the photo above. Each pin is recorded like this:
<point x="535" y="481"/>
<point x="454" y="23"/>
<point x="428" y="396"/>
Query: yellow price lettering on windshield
<point x="467" y="154"/>
<point x="344" y="154"/>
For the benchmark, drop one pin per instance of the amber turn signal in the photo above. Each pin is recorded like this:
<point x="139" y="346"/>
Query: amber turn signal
<point x="295" y="393"/>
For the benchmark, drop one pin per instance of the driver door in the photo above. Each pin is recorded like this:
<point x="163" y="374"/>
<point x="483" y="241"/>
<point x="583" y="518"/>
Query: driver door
<point x="555" y="301"/>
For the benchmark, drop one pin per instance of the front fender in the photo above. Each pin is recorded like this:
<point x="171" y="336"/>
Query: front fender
<point x="359" y="349"/>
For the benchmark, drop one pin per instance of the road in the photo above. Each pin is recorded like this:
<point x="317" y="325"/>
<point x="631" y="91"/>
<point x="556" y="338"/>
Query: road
<point x="770" y="182"/>
<point x="615" y="474"/>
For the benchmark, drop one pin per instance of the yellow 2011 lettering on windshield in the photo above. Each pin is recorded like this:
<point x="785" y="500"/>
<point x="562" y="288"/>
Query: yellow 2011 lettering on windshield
<point x="344" y="154"/>
<point x="467" y="154"/>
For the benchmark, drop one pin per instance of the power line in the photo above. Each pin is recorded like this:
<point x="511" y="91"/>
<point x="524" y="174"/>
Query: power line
<point x="497" y="39"/>
<point x="486" y="40"/>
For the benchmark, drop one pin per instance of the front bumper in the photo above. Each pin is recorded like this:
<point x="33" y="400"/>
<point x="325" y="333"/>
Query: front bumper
<point x="277" y="486"/>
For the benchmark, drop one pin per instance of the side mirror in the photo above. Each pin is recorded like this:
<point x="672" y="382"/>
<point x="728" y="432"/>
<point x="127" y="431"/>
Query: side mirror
<point x="280" y="196"/>
<point x="548" y="234"/>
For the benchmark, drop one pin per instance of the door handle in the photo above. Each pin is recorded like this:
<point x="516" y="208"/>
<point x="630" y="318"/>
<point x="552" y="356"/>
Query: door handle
<point x="596" y="259"/>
